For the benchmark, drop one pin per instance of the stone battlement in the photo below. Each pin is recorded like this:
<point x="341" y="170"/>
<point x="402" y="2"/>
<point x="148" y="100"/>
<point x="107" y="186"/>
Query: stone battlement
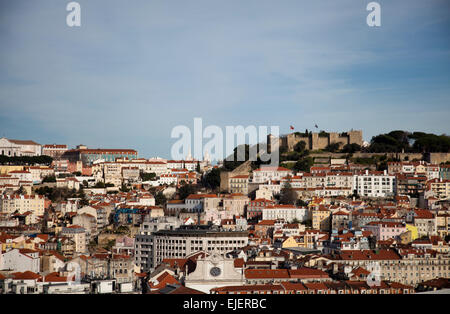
<point x="315" y="141"/>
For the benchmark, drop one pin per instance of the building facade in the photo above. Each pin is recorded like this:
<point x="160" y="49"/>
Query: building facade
<point x="186" y="240"/>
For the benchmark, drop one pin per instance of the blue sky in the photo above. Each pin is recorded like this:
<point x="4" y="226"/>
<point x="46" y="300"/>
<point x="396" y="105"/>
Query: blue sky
<point x="136" y="69"/>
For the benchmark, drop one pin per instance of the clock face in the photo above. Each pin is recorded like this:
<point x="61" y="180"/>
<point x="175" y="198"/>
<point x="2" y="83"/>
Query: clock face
<point x="215" y="271"/>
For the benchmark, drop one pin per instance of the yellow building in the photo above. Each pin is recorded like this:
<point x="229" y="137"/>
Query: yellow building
<point x="239" y="184"/>
<point x="414" y="232"/>
<point x="316" y="201"/>
<point x="11" y="242"/>
<point x="321" y="219"/>
<point x="289" y="242"/>
<point x="7" y="169"/>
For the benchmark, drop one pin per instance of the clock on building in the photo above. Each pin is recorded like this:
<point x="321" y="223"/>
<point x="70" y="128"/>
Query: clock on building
<point x="215" y="271"/>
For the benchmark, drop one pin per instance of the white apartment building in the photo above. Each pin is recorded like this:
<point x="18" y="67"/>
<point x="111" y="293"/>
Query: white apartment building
<point x="157" y="167"/>
<point x="168" y="179"/>
<point x="294" y="181"/>
<point x="39" y="173"/>
<point x="265" y="174"/>
<point x="432" y="172"/>
<point x="71" y="205"/>
<point x="175" y="164"/>
<point x="186" y="240"/>
<point x="142" y="200"/>
<point x="22" y="175"/>
<point x="314" y="180"/>
<point x="286" y="212"/>
<point x="339" y="180"/>
<point x="191" y="165"/>
<point x="272" y="187"/>
<point x="333" y="191"/>
<point x="374" y="184"/>
<point x="6" y="179"/>
<point x="143" y="243"/>
<point x="112" y="172"/>
<point x="20" y="260"/>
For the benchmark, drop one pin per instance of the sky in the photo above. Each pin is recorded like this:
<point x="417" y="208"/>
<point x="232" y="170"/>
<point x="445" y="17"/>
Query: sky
<point x="134" y="70"/>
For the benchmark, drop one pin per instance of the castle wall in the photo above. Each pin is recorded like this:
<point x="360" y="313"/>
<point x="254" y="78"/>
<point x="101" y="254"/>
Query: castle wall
<point x="322" y="142"/>
<point x="292" y="139"/>
<point x="316" y="142"/>
<point x="355" y="137"/>
<point x="437" y="158"/>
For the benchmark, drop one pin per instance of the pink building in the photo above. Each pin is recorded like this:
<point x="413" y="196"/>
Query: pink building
<point x="385" y="230"/>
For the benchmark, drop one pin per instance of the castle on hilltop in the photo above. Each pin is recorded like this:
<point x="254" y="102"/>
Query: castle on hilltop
<point x="321" y="140"/>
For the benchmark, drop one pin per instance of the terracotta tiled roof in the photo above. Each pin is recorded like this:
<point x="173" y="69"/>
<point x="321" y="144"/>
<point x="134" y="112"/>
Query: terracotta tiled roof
<point x="266" y="273"/>
<point x="368" y="255"/>
<point x="248" y="288"/>
<point x="307" y="273"/>
<point x="27" y="275"/>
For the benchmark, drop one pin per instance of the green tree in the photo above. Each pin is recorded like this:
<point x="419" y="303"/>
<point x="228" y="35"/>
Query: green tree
<point x="395" y="141"/>
<point x="308" y="223"/>
<point x="185" y="190"/>
<point x="147" y="176"/>
<point x="351" y="148"/>
<point x="110" y="244"/>
<point x="84" y="201"/>
<point x="304" y="164"/>
<point x="288" y="195"/>
<point x="50" y="178"/>
<point x="301" y="203"/>
<point x="100" y="185"/>
<point x="122" y="230"/>
<point x="333" y="147"/>
<point x="26" y="160"/>
<point x="430" y="143"/>
<point x="212" y="179"/>
<point x="300" y="147"/>
<point x="160" y="198"/>
<point x="124" y="188"/>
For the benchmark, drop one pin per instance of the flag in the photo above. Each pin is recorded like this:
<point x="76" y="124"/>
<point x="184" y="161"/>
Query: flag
<point x="292" y="127"/>
<point x="316" y="126"/>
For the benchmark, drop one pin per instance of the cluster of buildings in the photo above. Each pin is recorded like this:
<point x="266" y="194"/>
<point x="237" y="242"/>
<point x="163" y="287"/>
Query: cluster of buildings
<point x="118" y="224"/>
<point x="426" y="182"/>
